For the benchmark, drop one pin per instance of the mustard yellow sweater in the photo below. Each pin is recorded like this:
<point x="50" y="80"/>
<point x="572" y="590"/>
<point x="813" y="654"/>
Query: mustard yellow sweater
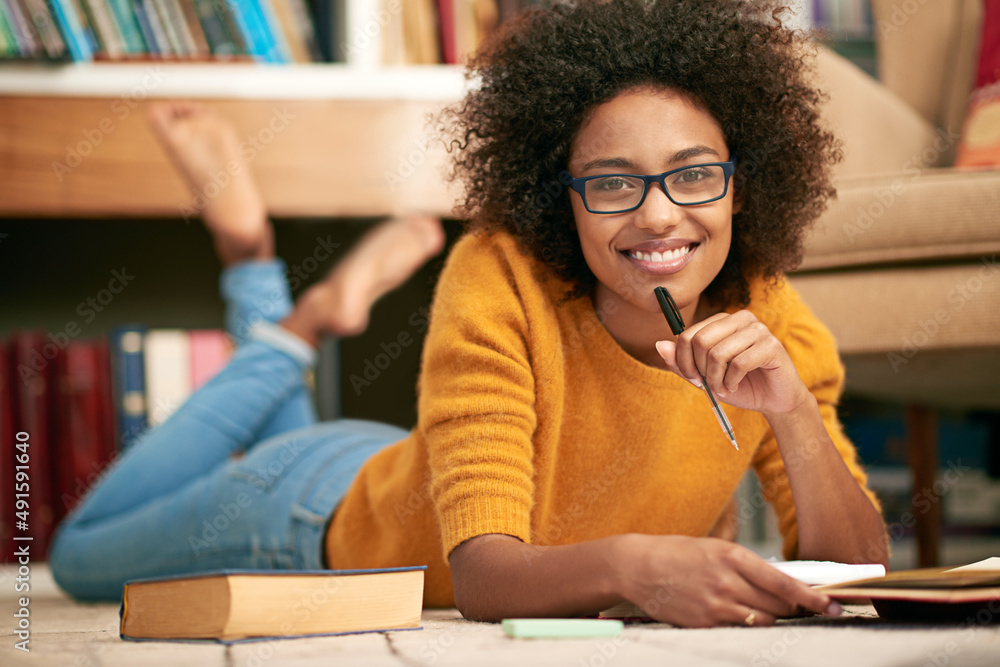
<point x="533" y="422"/>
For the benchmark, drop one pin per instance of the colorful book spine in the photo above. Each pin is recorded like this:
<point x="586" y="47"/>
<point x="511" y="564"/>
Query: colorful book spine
<point x="254" y="30"/>
<point x="8" y="40"/>
<point x="228" y="14"/>
<point x="24" y="32"/>
<point x="210" y="351"/>
<point x="303" y="24"/>
<point x="129" y="383"/>
<point x="178" y="23"/>
<point x="84" y="20"/>
<point x="135" y="43"/>
<point x="200" y="41"/>
<point x="84" y="426"/>
<point x="112" y="44"/>
<point x="214" y="26"/>
<point x="148" y="36"/>
<point x="32" y="376"/>
<point x="44" y="22"/>
<point x="163" y="45"/>
<point x="280" y="51"/>
<point x="446" y="28"/>
<point x="169" y="28"/>
<point x="8" y="437"/>
<point x="77" y="41"/>
<point x="167" y="356"/>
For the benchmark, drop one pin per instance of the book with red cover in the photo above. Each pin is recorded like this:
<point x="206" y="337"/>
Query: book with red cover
<point x="7" y="462"/>
<point x="31" y="373"/>
<point x="446" y="23"/>
<point x="84" y="432"/>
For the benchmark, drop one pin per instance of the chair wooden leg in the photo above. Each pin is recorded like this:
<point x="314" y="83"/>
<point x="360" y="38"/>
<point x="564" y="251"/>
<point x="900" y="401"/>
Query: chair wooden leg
<point x="922" y="448"/>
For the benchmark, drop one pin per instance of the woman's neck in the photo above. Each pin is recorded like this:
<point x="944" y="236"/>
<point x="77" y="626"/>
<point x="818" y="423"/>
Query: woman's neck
<point x="636" y="330"/>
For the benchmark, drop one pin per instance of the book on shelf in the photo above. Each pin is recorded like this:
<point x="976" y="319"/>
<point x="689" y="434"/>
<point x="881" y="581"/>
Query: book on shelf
<point x="83" y="428"/>
<point x="7" y="451"/>
<point x="176" y="362"/>
<point x="843" y="19"/>
<point x="358" y="32"/>
<point x="236" y="605"/>
<point x="81" y="403"/>
<point x="32" y="376"/>
<point x="128" y="384"/>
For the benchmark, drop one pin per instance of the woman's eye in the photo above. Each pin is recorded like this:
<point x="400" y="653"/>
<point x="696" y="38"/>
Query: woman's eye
<point x="613" y="183"/>
<point x="692" y="175"/>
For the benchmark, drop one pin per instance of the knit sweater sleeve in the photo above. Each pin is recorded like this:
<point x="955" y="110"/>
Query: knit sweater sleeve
<point x="477" y="399"/>
<point x="812" y="349"/>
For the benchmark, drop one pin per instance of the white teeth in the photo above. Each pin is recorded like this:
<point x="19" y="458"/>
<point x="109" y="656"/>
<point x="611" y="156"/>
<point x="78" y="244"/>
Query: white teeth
<point x="664" y="256"/>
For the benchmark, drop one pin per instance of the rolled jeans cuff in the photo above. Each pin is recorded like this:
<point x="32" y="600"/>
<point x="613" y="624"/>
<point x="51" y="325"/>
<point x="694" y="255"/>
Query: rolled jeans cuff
<point x="284" y="340"/>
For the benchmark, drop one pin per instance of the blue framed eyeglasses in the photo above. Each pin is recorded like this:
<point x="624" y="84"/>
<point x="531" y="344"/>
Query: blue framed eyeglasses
<point x="686" y="186"/>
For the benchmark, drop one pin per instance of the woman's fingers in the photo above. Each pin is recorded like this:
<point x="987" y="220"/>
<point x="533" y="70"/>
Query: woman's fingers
<point x="779" y="586"/>
<point x="695" y="344"/>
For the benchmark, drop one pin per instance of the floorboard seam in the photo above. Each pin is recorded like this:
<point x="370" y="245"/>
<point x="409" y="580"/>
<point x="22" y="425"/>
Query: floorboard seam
<point x="396" y="652"/>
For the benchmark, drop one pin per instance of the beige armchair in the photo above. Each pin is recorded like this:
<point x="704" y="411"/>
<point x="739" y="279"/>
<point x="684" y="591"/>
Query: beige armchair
<point x="903" y="266"/>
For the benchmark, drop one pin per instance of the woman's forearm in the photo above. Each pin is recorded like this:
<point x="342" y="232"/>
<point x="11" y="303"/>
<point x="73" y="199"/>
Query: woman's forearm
<point x="498" y="576"/>
<point x="836" y="520"/>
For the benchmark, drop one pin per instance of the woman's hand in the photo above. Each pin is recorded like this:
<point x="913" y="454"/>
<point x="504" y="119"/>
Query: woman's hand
<point x="704" y="582"/>
<point x="744" y="364"/>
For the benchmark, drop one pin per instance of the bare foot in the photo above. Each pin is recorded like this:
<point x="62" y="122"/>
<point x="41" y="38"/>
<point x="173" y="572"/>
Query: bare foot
<point x="381" y="261"/>
<point x="204" y="148"/>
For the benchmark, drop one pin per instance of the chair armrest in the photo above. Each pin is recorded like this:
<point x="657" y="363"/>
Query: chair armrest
<point x="881" y="133"/>
<point x="911" y="216"/>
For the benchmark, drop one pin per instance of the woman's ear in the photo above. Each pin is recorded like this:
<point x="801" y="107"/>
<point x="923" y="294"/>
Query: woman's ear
<point x="737" y="200"/>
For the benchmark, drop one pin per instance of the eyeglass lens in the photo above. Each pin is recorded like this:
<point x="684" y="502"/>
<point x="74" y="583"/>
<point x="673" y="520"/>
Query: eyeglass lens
<point x="687" y="186"/>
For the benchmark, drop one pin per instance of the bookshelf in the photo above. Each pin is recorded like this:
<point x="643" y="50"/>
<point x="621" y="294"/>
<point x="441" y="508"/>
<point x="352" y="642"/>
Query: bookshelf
<point x="326" y="140"/>
<point x="341" y="130"/>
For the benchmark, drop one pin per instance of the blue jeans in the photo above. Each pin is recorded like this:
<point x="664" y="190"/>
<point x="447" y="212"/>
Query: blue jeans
<point x="181" y="500"/>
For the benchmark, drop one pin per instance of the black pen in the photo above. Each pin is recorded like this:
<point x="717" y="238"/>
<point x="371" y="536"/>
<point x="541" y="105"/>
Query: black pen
<point x="676" y="323"/>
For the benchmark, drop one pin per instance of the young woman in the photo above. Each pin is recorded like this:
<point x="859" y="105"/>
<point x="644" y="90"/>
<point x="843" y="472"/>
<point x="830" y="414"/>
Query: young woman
<point x="565" y="457"/>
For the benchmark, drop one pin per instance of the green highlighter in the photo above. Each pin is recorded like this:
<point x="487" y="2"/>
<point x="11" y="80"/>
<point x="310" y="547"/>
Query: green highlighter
<point x="561" y="627"/>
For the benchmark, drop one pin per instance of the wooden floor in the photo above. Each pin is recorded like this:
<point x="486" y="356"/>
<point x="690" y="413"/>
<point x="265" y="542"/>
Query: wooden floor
<point x="64" y="633"/>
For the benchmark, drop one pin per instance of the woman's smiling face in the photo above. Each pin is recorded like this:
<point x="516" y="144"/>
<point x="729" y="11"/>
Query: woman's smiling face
<point x="650" y="131"/>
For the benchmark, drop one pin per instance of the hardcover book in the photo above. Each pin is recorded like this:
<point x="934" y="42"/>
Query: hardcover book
<point x="239" y="605"/>
<point x="929" y="594"/>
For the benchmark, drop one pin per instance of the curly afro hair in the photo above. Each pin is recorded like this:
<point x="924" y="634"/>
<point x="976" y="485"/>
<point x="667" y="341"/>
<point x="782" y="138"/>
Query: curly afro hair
<point x="541" y="73"/>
